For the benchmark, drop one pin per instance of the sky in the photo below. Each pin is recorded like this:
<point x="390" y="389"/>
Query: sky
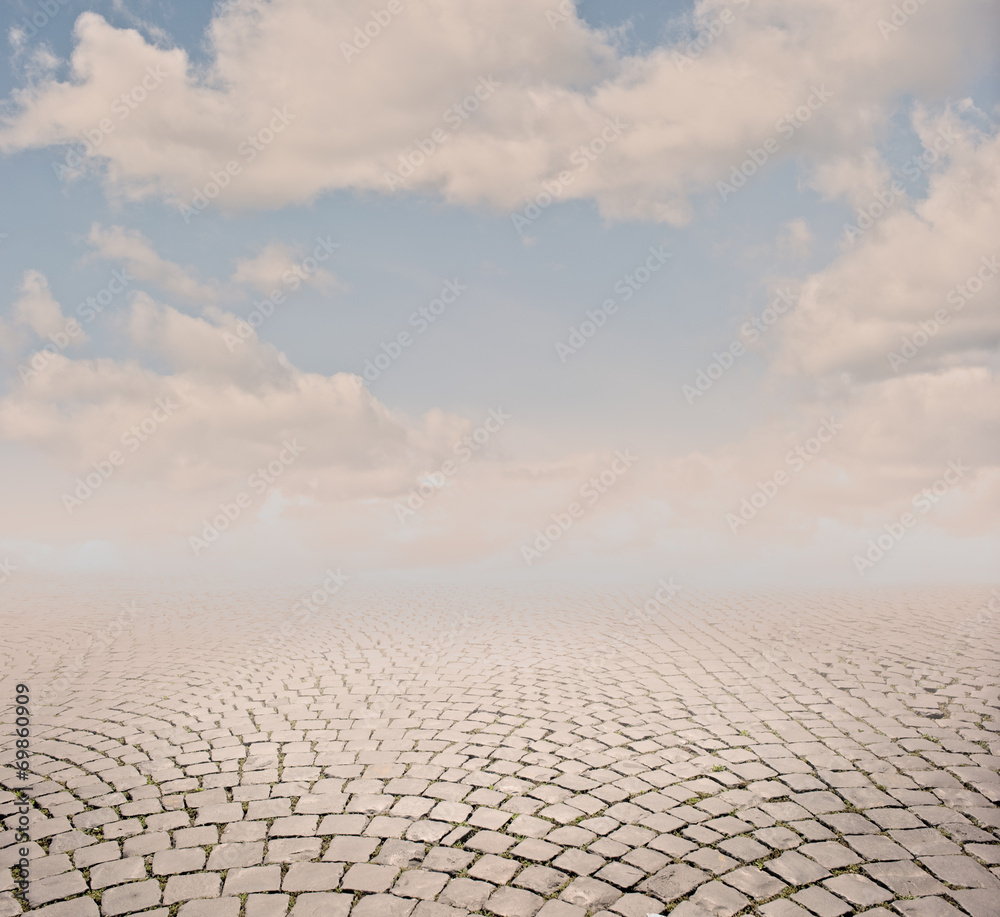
<point x="532" y="291"/>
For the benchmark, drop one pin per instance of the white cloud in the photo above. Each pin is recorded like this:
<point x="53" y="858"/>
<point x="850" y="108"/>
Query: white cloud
<point x="347" y="123"/>
<point x="131" y="248"/>
<point x="855" y="176"/>
<point x="924" y="273"/>
<point x="233" y="410"/>
<point x="275" y="265"/>
<point x="37" y="308"/>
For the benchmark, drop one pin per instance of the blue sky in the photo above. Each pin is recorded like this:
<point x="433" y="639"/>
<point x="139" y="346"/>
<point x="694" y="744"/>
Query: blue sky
<point x="495" y="346"/>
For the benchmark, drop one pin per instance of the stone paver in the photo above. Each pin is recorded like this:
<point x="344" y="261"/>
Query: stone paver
<point x="461" y="753"/>
<point x="383" y="906"/>
<point x="78" y="907"/>
<point x="420" y="883"/>
<point x="364" y="877"/>
<point x="221" y="907"/>
<point x="123" y="899"/>
<point x="927" y="907"/>
<point x="52" y="888"/>
<point x="754" y="882"/>
<point x="590" y="893"/>
<point x="674" y="882"/>
<point x="321" y="904"/>
<point x="247" y="879"/>
<point x="466" y="893"/>
<point x="171" y="862"/>
<point x="312" y="877"/>
<point x="267" y="905"/>
<point x="116" y="872"/>
<point x="858" y="890"/>
<point x="197" y="885"/>
<point x="513" y="902"/>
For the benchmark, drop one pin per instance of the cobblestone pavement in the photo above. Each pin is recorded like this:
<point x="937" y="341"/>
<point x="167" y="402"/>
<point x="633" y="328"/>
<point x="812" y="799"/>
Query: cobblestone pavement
<point x="436" y="752"/>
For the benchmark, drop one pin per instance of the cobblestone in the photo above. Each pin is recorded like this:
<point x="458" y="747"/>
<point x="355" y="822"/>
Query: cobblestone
<point x="444" y="752"/>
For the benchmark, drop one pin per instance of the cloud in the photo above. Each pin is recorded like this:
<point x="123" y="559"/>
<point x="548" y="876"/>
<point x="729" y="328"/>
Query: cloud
<point x="924" y="273"/>
<point x="131" y="248"/>
<point x="857" y="176"/>
<point x="232" y="410"/>
<point x="231" y="413"/>
<point x="492" y="106"/>
<point x="277" y="264"/>
<point x="281" y="116"/>
<point x="37" y="308"/>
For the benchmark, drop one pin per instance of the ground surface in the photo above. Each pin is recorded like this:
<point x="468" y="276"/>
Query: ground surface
<point x="437" y="752"/>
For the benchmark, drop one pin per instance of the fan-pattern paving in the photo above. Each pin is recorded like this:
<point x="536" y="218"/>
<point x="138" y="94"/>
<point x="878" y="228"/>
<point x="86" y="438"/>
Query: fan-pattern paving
<point x="439" y="752"/>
